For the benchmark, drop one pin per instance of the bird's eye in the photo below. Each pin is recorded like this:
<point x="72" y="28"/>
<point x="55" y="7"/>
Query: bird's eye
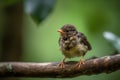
<point x="67" y="30"/>
<point x="78" y="36"/>
<point x="65" y="39"/>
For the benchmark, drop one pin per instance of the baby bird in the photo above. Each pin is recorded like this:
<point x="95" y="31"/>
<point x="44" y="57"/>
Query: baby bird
<point x="72" y="44"/>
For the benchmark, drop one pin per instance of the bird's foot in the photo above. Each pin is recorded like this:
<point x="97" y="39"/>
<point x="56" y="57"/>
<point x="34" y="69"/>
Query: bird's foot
<point x="61" y="65"/>
<point x="82" y="61"/>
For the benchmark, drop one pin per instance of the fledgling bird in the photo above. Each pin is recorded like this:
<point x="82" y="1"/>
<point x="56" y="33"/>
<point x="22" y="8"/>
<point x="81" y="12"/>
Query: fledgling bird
<point x="72" y="44"/>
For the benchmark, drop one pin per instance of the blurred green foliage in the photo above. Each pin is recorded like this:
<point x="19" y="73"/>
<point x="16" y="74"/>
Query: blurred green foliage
<point x="92" y="17"/>
<point x="38" y="9"/>
<point x="113" y="40"/>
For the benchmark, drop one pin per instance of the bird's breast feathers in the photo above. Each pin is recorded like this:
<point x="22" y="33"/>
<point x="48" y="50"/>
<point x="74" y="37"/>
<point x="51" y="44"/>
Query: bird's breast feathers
<point x="73" y="48"/>
<point x="78" y="50"/>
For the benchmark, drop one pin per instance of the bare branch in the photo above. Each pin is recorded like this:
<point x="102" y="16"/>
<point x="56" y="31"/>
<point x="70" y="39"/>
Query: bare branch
<point x="106" y="64"/>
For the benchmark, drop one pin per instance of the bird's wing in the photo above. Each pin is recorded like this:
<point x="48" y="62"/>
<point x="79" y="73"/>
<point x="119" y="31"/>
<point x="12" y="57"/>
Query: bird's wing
<point x="84" y="40"/>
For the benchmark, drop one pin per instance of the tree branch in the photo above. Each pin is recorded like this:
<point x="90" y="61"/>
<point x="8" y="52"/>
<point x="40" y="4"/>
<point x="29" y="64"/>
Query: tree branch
<point x="106" y="64"/>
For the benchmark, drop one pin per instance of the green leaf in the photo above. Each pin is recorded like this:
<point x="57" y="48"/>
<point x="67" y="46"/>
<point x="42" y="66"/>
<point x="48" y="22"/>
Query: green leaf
<point x="112" y="39"/>
<point x="38" y="9"/>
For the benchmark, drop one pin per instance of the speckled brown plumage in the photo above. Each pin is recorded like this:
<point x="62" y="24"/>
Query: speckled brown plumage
<point x="72" y="43"/>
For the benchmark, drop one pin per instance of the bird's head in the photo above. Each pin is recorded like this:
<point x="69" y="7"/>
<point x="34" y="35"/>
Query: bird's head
<point x="67" y="30"/>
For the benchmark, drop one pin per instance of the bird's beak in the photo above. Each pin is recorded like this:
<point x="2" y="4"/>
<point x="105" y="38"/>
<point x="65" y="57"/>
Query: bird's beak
<point x="61" y="32"/>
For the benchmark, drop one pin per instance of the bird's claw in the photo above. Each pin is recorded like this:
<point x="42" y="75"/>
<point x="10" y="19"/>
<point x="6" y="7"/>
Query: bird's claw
<point x="80" y="63"/>
<point x="61" y="65"/>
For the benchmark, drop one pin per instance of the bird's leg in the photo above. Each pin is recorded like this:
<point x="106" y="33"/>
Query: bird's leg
<point x="82" y="61"/>
<point x="61" y="65"/>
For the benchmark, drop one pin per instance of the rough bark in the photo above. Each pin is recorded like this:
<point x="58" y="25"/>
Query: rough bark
<point x="106" y="64"/>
